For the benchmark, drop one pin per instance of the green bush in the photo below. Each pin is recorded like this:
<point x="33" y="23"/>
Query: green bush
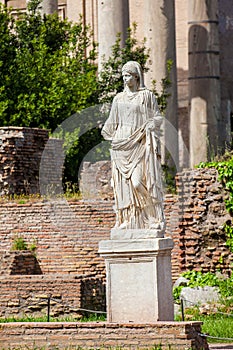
<point x="199" y="279"/>
<point x="46" y="75"/>
<point x="19" y="243"/>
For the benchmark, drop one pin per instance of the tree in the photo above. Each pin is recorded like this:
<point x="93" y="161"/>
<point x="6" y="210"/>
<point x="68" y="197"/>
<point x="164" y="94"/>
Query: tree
<point x="7" y="56"/>
<point x="110" y="80"/>
<point x="47" y="69"/>
<point x="48" y="72"/>
<point x="109" y="84"/>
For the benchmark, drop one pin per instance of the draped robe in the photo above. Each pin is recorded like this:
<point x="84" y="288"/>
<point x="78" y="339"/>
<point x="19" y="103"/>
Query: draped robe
<point x="133" y="127"/>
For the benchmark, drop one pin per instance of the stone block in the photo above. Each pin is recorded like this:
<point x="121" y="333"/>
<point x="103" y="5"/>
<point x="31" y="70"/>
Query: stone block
<point x="199" y="295"/>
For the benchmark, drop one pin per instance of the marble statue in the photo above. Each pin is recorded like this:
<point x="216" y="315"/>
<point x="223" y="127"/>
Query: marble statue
<point x="133" y="127"/>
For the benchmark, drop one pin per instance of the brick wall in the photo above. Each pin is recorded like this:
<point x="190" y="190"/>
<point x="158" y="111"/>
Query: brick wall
<point x="202" y="214"/>
<point x="19" y="263"/>
<point x="170" y="335"/>
<point x="23" y="296"/>
<point x="68" y="233"/>
<point x="21" y="158"/>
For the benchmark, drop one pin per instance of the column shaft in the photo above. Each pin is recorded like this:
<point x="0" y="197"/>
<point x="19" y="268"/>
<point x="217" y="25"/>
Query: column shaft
<point x="204" y="83"/>
<point x="113" y="18"/>
<point x="160" y="35"/>
<point x="49" y="6"/>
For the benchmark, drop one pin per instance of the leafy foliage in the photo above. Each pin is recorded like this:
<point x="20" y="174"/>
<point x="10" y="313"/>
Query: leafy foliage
<point x="48" y="74"/>
<point x="162" y="97"/>
<point x="199" y="279"/>
<point x="19" y="243"/>
<point x="214" y="324"/>
<point x="110" y="80"/>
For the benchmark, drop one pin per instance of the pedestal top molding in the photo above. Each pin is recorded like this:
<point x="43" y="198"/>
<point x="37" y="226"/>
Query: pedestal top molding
<point x="152" y="245"/>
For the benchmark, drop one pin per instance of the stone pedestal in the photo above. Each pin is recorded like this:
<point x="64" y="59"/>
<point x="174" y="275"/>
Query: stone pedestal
<point x="139" y="283"/>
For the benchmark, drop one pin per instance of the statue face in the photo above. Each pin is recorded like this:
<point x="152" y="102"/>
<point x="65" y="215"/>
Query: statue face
<point x="129" y="79"/>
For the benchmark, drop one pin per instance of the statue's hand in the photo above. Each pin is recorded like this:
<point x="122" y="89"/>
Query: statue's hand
<point x="158" y="121"/>
<point x="154" y="123"/>
<point x="150" y="126"/>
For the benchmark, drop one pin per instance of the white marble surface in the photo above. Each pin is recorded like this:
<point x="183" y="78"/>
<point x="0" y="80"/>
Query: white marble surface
<point x="133" y="127"/>
<point x="139" y="283"/>
<point x="136" y="233"/>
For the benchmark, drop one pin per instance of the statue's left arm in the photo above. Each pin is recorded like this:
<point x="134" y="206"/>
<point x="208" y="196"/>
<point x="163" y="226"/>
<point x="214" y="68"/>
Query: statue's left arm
<point x="155" y="117"/>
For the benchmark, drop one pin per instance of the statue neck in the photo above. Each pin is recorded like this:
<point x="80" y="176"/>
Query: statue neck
<point x="131" y="90"/>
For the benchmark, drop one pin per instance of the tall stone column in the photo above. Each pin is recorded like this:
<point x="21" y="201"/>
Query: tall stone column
<point x="204" y="83"/>
<point x="160" y="34"/>
<point x="49" y="6"/>
<point x="113" y="18"/>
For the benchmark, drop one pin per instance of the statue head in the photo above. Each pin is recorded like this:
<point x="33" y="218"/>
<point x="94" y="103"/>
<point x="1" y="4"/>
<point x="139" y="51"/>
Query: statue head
<point x="135" y="69"/>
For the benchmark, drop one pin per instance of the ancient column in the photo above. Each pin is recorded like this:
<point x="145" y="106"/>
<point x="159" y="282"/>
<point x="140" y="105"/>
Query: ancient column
<point x="160" y="34"/>
<point x="226" y="44"/>
<point x="204" y="84"/>
<point x="49" y="6"/>
<point x="113" y="18"/>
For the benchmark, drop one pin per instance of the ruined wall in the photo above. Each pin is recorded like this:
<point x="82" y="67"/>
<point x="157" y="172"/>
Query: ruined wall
<point x="28" y="295"/>
<point x="25" y="296"/>
<point x="21" y="160"/>
<point x="67" y="235"/>
<point x="19" y="263"/>
<point x="202" y="214"/>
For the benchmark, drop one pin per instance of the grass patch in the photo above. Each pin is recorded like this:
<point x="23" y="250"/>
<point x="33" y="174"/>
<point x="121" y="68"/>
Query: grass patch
<point x="22" y="199"/>
<point x="28" y="318"/>
<point x="220" y="326"/>
<point x="214" y="324"/>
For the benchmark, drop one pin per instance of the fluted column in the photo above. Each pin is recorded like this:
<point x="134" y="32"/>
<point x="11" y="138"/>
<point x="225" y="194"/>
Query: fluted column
<point x="159" y="19"/>
<point x="204" y="83"/>
<point x="113" y="18"/>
